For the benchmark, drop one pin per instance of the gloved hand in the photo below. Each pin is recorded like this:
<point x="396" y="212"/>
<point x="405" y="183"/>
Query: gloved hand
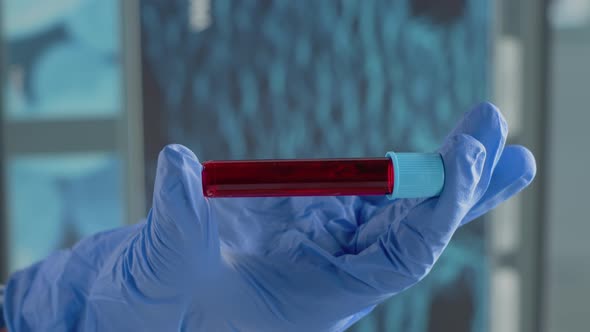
<point x="265" y="264"/>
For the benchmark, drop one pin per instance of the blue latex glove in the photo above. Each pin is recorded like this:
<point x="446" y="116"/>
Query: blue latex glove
<point x="264" y="264"/>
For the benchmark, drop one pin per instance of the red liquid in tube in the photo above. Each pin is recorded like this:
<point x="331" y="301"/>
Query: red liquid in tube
<point x="299" y="177"/>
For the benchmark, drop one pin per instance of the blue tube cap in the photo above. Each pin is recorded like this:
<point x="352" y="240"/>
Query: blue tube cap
<point x="416" y="175"/>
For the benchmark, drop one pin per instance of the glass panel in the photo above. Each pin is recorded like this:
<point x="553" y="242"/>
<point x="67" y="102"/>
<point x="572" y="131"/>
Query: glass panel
<point x="54" y="200"/>
<point x="63" y="58"/>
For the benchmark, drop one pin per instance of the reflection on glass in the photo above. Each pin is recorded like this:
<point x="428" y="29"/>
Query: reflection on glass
<point x="53" y="201"/>
<point x="62" y="58"/>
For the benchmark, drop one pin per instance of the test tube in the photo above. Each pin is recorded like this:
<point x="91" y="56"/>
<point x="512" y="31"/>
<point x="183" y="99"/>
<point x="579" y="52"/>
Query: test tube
<point x="401" y="175"/>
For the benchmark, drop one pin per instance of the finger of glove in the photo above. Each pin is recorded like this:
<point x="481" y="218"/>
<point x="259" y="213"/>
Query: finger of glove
<point x="409" y="247"/>
<point x="487" y="125"/>
<point x="514" y="172"/>
<point x="180" y="222"/>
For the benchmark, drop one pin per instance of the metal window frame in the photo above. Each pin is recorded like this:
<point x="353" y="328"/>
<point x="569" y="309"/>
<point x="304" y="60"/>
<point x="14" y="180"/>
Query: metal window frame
<point x="535" y="36"/>
<point x="60" y="136"/>
<point x="528" y="23"/>
<point x="131" y="128"/>
<point x="3" y="213"/>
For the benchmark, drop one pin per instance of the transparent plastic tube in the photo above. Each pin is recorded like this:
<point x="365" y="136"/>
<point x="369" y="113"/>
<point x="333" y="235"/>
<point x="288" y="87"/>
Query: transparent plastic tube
<point x="299" y="177"/>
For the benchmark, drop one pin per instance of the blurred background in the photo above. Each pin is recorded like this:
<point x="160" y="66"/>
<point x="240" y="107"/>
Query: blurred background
<point x="93" y="89"/>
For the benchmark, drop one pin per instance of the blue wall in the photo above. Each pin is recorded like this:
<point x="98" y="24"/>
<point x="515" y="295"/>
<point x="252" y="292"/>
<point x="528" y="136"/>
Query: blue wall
<point x="294" y="79"/>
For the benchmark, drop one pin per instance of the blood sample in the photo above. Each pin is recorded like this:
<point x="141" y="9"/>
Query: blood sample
<point x="400" y="175"/>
